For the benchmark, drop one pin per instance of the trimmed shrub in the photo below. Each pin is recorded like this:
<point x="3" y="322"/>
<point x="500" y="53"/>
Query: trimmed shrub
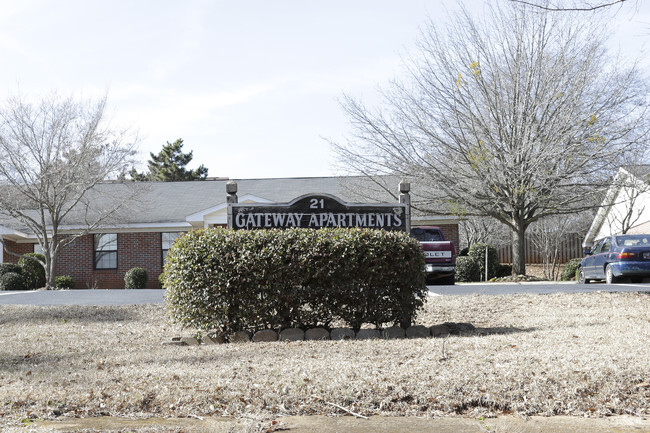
<point x="10" y="267"/>
<point x="570" y="269"/>
<point x="467" y="270"/>
<point x="12" y="281"/>
<point x="135" y="278"/>
<point x="64" y="282"/>
<point x="33" y="271"/>
<point x="477" y="252"/>
<point x="235" y="280"/>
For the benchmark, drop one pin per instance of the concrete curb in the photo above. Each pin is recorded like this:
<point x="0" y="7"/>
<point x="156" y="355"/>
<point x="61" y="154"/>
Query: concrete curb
<point x="349" y="424"/>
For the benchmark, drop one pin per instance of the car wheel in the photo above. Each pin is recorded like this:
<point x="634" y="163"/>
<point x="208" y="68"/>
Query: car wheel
<point x="609" y="275"/>
<point x="581" y="277"/>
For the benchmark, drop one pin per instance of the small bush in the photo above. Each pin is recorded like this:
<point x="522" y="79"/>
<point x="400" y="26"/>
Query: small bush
<point x="33" y="271"/>
<point x="504" y="270"/>
<point x="467" y="270"/>
<point x="569" y="270"/>
<point x="12" y="281"/>
<point x="10" y="267"/>
<point x="477" y="252"/>
<point x="64" y="282"/>
<point x="135" y="278"/>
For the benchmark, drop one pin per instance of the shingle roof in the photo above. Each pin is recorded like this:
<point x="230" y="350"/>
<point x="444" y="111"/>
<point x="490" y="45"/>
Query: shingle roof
<point x="640" y="171"/>
<point x="170" y="202"/>
<point x="174" y="201"/>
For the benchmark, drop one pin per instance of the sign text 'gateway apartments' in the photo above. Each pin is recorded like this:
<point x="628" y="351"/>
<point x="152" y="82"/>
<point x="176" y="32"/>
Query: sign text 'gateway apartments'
<point x="317" y="211"/>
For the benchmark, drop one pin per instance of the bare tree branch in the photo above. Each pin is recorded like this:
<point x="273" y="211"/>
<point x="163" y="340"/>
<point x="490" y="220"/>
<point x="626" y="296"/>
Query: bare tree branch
<point x="587" y="8"/>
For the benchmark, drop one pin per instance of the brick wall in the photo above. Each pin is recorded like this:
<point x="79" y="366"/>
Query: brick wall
<point x="16" y="248"/>
<point x="133" y="249"/>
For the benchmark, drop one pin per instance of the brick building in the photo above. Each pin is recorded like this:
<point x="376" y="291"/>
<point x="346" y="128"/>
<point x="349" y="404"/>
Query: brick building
<point x="146" y="226"/>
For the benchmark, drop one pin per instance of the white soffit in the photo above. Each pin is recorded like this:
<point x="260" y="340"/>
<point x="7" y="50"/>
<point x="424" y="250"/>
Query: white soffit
<point x="11" y="233"/>
<point x="213" y="214"/>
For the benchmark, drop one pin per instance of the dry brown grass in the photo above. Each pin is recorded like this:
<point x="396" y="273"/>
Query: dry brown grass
<point x="578" y="354"/>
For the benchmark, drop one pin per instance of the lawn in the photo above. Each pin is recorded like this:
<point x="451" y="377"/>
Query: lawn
<point x="572" y="354"/>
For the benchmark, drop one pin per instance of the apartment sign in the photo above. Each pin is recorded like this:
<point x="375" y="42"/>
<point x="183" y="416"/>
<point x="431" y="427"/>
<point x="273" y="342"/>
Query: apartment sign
<point x="315" y="212"/>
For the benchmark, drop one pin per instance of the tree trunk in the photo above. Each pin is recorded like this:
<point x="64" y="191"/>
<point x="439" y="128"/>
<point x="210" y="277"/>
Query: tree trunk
<point x="50" y="276"/>
<point x="519" y="250"/>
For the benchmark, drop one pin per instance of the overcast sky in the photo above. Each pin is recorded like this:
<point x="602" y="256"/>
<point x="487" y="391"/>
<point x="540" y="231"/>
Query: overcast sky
<point x="251" y="86"/>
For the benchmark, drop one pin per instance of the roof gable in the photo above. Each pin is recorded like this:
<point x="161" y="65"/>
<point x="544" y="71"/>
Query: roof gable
<point x="219" y="214"/>
<point x="630" y="181"/>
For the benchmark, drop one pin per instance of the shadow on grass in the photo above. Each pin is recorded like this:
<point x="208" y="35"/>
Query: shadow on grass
<point x="469" y="330"/>
<point x="500" y="330"/>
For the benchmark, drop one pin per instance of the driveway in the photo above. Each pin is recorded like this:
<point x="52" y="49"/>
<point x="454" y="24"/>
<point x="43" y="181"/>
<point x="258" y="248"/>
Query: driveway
<point x="150" y="296"/>
<point x="83" y="297"/>
<point x="534" y="288"/>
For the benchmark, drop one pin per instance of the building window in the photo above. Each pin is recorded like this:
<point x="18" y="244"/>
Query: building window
<point x="167" y="242"/>
<point x="38" y="249"/>
<point x="106" y="251"/>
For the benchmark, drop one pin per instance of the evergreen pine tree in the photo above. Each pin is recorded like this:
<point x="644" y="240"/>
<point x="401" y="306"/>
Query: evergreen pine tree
<point x="169" y="165"/>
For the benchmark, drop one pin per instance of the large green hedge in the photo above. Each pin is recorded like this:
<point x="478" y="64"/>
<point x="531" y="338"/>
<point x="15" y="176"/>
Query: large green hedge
<point x="233" y="280"/>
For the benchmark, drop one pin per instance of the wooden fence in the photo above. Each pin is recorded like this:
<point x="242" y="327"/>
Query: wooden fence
<point x="571" y="248"/>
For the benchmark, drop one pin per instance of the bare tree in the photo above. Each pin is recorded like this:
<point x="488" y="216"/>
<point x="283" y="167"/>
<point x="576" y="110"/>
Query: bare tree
<point x="574" y="6"/>
<point x="550" y="234"/>
<point x="53" y="155"/>
<point x="517" y="116"/>
<point x="486" y="230"/>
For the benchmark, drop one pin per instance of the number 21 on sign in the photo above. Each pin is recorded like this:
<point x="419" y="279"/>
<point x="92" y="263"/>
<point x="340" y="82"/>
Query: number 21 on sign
<point x="316" y="203"/>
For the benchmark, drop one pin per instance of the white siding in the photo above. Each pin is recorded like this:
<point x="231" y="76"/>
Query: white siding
<point x="613" y="221"/>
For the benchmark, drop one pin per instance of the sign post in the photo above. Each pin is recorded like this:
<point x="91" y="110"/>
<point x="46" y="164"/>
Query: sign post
<point x="405" y="198"/>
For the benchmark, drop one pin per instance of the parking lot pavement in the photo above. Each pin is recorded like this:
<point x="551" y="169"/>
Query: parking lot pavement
<point x="156" y="296"/>
<point x="83" y="297"/>
<point x="539" y="288"/>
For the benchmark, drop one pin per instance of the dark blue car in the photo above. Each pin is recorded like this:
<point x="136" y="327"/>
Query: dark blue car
<point x="616" y="257"/>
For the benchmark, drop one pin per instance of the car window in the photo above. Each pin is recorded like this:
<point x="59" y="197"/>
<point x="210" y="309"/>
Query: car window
<point x="596" y="248"/>
<point x="632" y="240"/>
<point x="606" y="246"/>
<point x="426" y="235"/>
